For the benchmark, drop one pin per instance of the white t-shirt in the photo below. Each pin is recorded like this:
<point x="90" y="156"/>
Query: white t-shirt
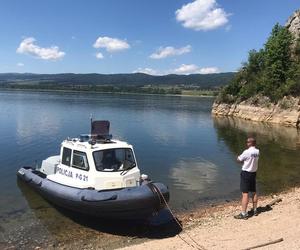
<point x="250" y="159"/>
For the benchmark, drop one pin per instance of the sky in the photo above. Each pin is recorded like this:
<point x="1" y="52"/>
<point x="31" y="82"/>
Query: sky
<point x="125" y="36"/>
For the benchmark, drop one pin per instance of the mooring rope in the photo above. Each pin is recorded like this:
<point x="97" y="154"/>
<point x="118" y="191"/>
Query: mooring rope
<point x="198" y="246"/>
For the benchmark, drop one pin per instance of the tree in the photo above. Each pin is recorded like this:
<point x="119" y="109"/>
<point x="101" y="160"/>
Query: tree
<point x="255" y="62"/>
<point x="273" y="71"/>
<point x="278" y="61"/>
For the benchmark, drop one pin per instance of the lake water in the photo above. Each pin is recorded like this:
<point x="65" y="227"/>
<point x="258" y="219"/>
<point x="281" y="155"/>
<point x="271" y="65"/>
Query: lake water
<point x="176" y="142"/>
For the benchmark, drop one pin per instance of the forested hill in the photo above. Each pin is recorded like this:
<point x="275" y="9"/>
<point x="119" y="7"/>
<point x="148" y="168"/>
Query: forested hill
<point x="134" y="79"/>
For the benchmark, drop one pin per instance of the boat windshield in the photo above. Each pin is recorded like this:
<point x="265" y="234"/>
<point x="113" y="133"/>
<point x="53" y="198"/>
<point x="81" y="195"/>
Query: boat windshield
<point x="115" y="159"/>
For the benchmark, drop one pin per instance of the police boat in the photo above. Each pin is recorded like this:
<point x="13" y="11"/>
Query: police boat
<point x="98" y="176"/>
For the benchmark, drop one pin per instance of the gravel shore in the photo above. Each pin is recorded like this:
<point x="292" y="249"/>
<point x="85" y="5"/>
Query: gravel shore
<point x="212" y="227"/>
<point x="215" y="228"/>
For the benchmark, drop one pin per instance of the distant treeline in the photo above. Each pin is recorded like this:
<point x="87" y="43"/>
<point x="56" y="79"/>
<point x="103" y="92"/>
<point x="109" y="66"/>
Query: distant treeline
<point x="161" y="90"/>
<point x="135" y="79"/>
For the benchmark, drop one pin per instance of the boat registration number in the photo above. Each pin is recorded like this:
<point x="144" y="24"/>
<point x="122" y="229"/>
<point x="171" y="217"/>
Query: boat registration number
<point x="69" y="173"/>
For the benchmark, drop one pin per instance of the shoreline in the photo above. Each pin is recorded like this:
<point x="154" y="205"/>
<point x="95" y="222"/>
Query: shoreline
<point x="101" y="92"/>
<point x="286" y="112"/>
<point x="214" y="227"/>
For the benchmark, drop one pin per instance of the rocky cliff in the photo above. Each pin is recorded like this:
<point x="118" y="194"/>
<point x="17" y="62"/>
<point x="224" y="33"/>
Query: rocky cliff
<point x="286" y="112"/>
<point x="293" y="24"/>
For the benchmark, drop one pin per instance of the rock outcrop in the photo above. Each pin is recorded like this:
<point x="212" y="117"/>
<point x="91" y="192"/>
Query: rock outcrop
<point x="293" y="24"/>
<point x="286" y="112"/>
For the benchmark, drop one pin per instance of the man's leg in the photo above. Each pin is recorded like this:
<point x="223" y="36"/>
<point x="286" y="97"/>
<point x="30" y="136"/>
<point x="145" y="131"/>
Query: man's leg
<point x="254" y="195"/>
<point x="245" y="197"/>
<point x="245" y="200"/>
<point x="243" y="214"/>
<point x="254" y="201"/>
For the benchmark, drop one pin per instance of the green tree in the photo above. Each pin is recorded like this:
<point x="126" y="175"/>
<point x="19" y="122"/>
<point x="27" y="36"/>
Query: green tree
<point x="273" y="71"/>
<point x="278" y="61"/>
<point x="255" y="62"/>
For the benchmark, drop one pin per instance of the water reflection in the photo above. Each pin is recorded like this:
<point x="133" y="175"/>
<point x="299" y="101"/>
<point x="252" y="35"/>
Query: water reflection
<point x="202" y="179"/>
<point x="288" y="137"/>
<point x="196" y="175"/>
<point x="40" y="124"/>
<point x="279" y="166"/>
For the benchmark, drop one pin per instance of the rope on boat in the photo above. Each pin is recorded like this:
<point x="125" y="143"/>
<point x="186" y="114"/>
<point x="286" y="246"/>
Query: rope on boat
<point x="197" y="245"/>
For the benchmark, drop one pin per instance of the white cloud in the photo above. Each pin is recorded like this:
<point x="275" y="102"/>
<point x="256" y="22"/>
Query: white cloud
<point x="186" y="69"/>
<point x="209" y="70"/>
<point x="20" y="64"/>
<point x="194" y="69"/>
<point x="202" y="15"/>
<point x="183" y="69"/>
<point x="28" y="46"/>
<point x="148" y="71"/>
<point x="111" y="44"/>
<point x="168" y="51"/>
<point x="99" y="55"/>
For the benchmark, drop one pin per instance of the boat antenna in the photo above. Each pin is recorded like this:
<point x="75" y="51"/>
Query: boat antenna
<point x="36" y="164"/>
<point x="91" y="121"/>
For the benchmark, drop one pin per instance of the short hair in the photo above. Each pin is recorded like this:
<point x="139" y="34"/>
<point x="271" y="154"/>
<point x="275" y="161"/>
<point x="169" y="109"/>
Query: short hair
<point x="252" y="141"/>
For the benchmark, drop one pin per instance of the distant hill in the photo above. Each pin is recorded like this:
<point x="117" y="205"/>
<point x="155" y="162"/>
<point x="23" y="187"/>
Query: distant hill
<point x="134" y="79"/>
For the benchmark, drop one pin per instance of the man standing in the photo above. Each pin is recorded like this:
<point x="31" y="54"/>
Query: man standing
<point x="249" y="158"/>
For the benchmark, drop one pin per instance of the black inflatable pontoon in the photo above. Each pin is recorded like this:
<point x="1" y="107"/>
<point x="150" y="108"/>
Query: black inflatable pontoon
<point x="133" y="203"/>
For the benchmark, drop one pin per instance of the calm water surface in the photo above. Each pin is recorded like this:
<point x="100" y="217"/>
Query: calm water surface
<point x="176" y="142"/>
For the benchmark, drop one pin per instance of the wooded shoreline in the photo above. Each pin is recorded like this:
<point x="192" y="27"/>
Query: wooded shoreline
<point x="67" y="89"/>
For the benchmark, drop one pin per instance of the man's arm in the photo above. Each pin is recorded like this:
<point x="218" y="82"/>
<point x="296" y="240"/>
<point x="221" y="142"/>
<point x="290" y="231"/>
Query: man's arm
<point x="241" y="157"/>
<point x="238" y="160"/>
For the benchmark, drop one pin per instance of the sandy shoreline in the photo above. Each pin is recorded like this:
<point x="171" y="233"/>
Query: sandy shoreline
<point x="215" y="227"/>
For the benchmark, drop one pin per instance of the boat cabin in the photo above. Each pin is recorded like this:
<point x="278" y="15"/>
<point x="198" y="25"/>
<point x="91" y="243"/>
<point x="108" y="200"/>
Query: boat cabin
<point x="94" y="161"/>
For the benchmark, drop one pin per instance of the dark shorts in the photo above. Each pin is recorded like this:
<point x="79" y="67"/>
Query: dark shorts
<point x="248" y="182"/>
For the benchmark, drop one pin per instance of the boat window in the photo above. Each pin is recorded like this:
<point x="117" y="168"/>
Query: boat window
<point x="66" y="156"/>
<point x="116" y="159"/>
<point x="80" y="160"/>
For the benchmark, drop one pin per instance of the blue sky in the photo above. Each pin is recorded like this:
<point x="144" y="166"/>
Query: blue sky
<point x="154" y="36"/>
